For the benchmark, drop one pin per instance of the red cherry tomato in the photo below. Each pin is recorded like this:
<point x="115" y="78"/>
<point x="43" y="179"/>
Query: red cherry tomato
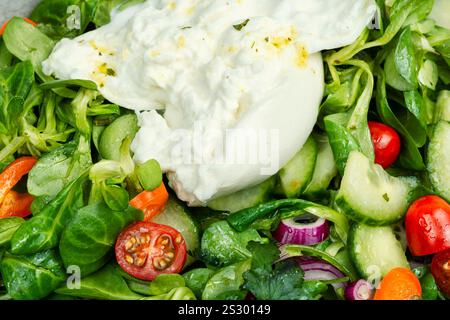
<point x="440" y="268"/>
<point x="146" y="250"/>
<point x="428" y="226"/>
<point x="386" y="143"/>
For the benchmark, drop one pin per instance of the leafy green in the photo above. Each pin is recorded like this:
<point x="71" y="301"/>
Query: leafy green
<point x="33" y="276"/>
<point x="89" y="238"/>
<point x="162" y="284"/>
<point x="15" y="85"/>
<point x="278" y="281"/>
<point x="196" y="280"/>
<point x="341" y="140"/>
<point x="115" y="197"/>
<point x="410" y="156"/>
<point x="429" y="287"/>
<point x="181" y="293"/>
<point x="415" y="104"/>
<point x="105" y="284"/>
<point x="43" y="231"/>
<point x="59" y="167"/>
<point x="6" y="58"/>
<point x="149" y="174"/>
<point x="7" y="228"/>
<point x="27" y="43"/>
<point x="87" y="84"/>
<point x="405" y="58"/>
<point x="442" y="111"/>
<point x="64" y="18"/>
<point x="221" y="245"/>
<point x="226" y="280"/>
<point x="242" y="219"/>
<point x="103" y="12"/>
<point x="428" y="74"/>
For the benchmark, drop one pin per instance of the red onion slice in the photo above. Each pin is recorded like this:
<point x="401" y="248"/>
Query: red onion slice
<point x="305" y="229"/>
<point x="359" y="290"/>
<point x="316" y="269"/>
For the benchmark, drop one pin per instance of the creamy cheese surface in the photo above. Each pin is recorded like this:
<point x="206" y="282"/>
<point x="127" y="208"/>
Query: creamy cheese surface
<point x="201" y="71"/>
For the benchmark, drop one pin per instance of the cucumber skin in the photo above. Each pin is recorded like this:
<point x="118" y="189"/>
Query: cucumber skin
<point x="351" y="252"/>
<point x="343" y="205"/>
<point x="434" y="173"/>
<point x="245" y="198"/>
<point x="189" y="222"/>
<point x="285" y="180"/>
<point x="353" y="255"/>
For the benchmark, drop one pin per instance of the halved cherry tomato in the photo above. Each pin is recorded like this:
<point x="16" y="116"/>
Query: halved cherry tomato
<point x="428" y="225"/>
<point x="152" y="202"/>
<point x="146" y="250"/>
<point x="399" y="284"/>
<point x="386" y="143"/>
<point x="2" y="29"/>
<point x="440" y="268"/>
<point x="16" y="204"/>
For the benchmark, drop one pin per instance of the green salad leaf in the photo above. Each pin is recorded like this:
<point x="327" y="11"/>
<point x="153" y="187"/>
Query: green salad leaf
<point x="89" y="238"/>
<point x="32" y="276"/>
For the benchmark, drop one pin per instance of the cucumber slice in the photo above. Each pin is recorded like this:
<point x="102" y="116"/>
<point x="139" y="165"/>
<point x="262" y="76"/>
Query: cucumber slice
<point x="175" y="215"/>
<point x="375" y="250"/>
<point x="114" y="134"/>
<point x="297" y="173"/>
<point x="438" y="156"/>
<point x="369" y="195"/>
<point x="245" y="198"/>
<point x="325" y="168"/>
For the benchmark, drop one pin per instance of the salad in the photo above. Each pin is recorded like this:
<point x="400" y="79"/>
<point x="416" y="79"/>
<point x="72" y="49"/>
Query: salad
<point x="91" y="206"/>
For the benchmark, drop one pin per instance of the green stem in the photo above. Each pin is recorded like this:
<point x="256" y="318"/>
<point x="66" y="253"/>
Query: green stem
<point x="11" y="148"/>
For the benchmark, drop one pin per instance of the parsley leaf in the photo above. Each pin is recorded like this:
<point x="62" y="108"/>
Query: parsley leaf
<point x="279" y="281"/>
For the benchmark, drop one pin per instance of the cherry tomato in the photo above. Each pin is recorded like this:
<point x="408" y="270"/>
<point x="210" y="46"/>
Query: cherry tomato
<point x="146" y="250"/>
<point x="440" y="268"/>
<point x="428" y="225"/>
<point x="386" y="143"/>
<point x="399" y="284"/>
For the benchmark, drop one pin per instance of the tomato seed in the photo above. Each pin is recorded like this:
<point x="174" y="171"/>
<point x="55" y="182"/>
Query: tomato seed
<point x="446" y="266"/>
<point x="128" y="245"/>
<point x="129" y="259"/>
<point x="169" y="255"/>
<point x="140" y="262"/>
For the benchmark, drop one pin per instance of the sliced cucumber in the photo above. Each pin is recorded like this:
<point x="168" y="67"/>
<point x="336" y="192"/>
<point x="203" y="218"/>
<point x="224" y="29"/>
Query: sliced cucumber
<point x="325" y="167"/>
<point x="112" y="137"/>
<point x="438" y="156"/>
<point x="369" y="195"/>
<point x="245" y="198"/>
<point x="375" y="250"/>
<point x="297" y="173"/>
<point x="175" y="215"/>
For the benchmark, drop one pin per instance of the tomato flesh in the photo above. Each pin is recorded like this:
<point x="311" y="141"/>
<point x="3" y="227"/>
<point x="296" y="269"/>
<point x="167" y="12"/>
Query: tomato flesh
<point x="386" y="143"/>
<point x="440" y="268"/>
<point x="146" y="249"/>
<point x="427" y="224"/>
